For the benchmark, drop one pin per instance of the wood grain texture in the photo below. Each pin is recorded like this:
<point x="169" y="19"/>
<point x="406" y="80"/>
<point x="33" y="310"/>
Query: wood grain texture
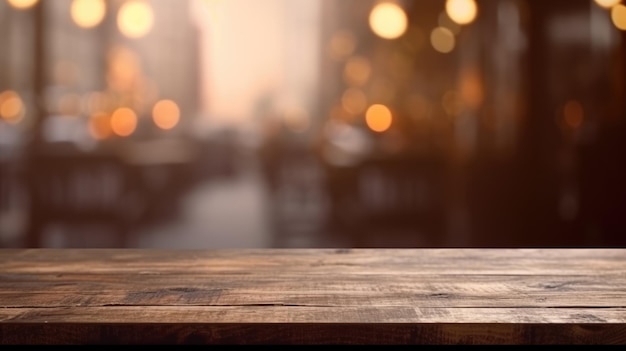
<point x="313" y="296"/>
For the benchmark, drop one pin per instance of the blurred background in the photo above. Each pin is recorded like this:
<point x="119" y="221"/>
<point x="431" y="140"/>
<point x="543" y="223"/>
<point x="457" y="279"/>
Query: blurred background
<point x="312" y="123"/>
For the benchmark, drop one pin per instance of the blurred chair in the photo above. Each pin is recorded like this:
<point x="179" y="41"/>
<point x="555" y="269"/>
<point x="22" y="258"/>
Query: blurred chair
<point x="74" y="188"/>
<point x="382" y="197"/>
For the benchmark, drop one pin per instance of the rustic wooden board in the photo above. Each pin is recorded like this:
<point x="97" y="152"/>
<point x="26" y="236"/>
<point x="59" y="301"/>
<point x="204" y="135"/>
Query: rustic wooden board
<point x="362" y="296"/>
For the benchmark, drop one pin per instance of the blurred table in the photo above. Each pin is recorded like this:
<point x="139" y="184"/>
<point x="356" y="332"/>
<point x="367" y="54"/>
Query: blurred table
<point x="312" y="296"/>
<point x="161" y="170"/>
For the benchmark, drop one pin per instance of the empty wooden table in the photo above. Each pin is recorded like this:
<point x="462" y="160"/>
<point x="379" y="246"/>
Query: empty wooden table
<point x="313" y="296"/>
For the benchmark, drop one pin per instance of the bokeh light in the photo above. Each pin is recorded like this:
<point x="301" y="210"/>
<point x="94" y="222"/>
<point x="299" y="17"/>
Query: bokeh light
<point x="12" y="109"/>
<point x="341" y="45"/>
<point x="100" y="126"/>
<point x="124" y="69"/>
<point x="442" y="40"/>
<point x="471" y="88"/>
<point x="388" y="20"/>
<point x="357" y="71"/>
<point x="607" y="4"/>
<point x="88" y="13"/>
<point x="123" y="122"/>
<point x="166" y="114"/>
<point x="135" y="19"/>
<point x="462" y="11"/>
<point x="618" y="16"/>
<point x="378" y="118"/>
<point x="22" y="4"/>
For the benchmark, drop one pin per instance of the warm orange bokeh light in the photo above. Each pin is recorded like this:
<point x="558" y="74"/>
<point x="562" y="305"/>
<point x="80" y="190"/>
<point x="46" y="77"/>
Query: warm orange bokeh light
<point x="357" y="71"/>
<point x="471" y="88"/>
<point x="618" y="16"/>
<point x="100" y="126"/>
<point x="378" y="118"/>
<point x="123" y="122"/>
<point x="462" y="11"/>
<point x="12" y="108"/>
<point x="341" y="45"/>
<point x="22" y="4"/>
<point x="607" y="4"/>
<point x="135" y="19"/>
<point x="388" y="20"/>
<point x="124" y="69"/>
<point x="88" y="13"/>
<point x="442" y="40"/>
<point x="166" y="114"/>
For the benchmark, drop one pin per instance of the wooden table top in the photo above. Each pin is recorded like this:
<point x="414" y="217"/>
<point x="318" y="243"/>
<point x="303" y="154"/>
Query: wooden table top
<point x="313" y="296"/>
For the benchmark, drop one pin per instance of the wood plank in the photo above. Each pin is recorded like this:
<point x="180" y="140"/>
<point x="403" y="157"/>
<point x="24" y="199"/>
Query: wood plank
<point x="326" y="290"/>
<point x="418" y="296"/>
<point x="318" y="261"/>
<point x="252" y="314"/>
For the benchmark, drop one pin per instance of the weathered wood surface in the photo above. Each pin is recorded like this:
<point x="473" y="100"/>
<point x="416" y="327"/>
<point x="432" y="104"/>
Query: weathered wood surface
<point x="312" y="296"/>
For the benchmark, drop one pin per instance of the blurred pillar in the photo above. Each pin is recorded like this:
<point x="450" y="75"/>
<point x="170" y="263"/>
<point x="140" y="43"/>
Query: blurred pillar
<point x="35" y="144"/>
<point x="540" y="136"/>
<point x="39" y="74"/>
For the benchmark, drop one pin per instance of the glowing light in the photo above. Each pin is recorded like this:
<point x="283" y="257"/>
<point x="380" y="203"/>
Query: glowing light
<point x="22" y="4"/>
<point x="388" y="20"/>
<point x="607" y="4"/>
<point x="12" y="108"/>
<point x="100" y="126"/>
<point x="357" y="71"/>
<point x="341" y="45"/>
<point x="462" y="11"/>
<point x="354" y="101"/>
<point x="442" y="40"/>
<point x="124" y="69"/>
<point x="618" y="15"/>
<point x="123" y="122"/>
<point x="297" y="120"/>
<point x="135" y="19"/>
<point x="573" y="114"/>
<point x="166" y="114"/>
<point x="471" y="88"/>
<point x="378" y="118"/>
<point x="88" y="13"/>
